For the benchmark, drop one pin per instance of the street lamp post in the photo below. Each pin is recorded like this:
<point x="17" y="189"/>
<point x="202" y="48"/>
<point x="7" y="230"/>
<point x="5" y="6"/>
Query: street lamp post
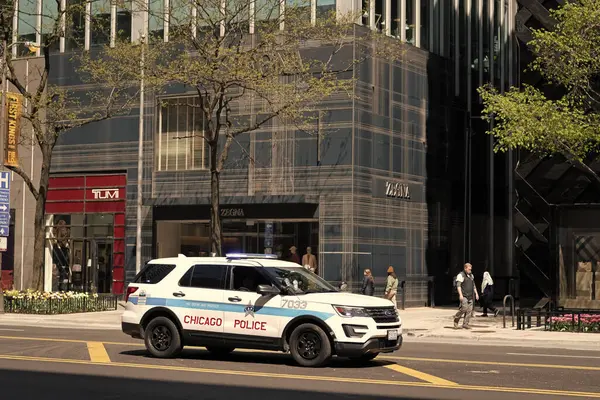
<point x="138" y="245"/>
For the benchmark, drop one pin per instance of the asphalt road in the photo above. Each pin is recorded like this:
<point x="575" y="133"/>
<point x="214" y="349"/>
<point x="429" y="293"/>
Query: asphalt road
<point x="64" y="364"/>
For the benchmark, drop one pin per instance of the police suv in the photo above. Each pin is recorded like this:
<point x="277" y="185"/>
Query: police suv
<point x="254" y="302"/>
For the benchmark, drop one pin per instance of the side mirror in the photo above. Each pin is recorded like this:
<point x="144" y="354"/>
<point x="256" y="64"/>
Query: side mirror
<point x="267" y="290"/>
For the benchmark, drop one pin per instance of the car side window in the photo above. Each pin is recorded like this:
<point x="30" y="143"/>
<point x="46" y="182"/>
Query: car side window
<point x="204" y="276"/>
<point x="247" y="279"/>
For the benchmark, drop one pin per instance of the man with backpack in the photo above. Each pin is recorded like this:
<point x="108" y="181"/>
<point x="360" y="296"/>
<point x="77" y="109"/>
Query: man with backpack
<point x="465" y="285"/>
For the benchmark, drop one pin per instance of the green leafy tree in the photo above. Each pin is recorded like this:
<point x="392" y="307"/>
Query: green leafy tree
<point x="568" y="57"/>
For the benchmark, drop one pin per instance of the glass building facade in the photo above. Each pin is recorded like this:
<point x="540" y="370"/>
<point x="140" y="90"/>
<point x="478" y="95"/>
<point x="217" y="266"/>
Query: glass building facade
<point x="418" y="128"/>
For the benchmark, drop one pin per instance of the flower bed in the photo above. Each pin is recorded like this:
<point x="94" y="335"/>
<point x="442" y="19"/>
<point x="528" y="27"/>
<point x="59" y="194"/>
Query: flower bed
<point x="35" y="302"/>
<point x="575" y="322"/>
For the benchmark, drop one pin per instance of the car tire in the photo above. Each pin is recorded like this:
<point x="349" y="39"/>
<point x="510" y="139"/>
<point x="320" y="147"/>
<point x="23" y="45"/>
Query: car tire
<point x="310" y="346"/>
<point x="220" y="351"/>
<point x="162" y="338"/>
<point x="365" y="357"/>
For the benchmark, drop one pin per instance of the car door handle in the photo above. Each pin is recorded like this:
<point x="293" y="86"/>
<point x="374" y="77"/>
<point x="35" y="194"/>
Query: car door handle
<point x="178" y="294"/>
<point x="236" y="299"/>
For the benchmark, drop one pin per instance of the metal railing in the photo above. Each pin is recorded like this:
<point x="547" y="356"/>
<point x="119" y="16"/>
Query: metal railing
<point x="560" y="320"/>
<point x="512" y="310"/>
<point x="27" y="305"/>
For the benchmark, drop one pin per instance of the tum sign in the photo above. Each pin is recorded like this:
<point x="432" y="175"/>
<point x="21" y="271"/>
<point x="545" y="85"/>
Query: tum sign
<point x="105" y="194"/>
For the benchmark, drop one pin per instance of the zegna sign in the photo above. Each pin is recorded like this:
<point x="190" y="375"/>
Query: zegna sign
<point x="105" y="194"/>
<point x="396" y="189"/>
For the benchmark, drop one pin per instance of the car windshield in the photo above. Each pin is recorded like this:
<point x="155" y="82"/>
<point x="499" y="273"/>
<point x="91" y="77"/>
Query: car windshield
<point x="299" y="280"/>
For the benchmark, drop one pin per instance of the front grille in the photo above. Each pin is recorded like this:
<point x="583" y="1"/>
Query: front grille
<point x="383" y="314"/>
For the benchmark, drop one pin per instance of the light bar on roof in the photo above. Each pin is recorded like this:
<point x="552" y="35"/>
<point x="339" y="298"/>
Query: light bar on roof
<point x="240" y="256"/>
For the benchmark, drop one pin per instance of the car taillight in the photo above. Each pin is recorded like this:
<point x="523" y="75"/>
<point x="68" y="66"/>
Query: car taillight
<point x="130" y="290"/>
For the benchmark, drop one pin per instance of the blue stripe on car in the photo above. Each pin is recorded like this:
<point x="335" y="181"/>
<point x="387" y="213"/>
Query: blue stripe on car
<point x="227" y="307"/>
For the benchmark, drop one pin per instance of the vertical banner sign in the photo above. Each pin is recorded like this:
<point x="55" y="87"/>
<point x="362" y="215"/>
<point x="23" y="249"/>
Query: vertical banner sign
<point x="4" y="204"/>
<point x="14" y="109"/>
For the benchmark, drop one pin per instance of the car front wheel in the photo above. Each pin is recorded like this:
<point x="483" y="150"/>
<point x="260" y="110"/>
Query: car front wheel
<point x="162" y="338"/>
<point x="310" y="346"/>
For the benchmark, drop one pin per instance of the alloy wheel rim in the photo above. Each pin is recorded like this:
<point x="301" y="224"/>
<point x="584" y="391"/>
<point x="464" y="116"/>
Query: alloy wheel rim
<point x="309" y="345"/>
<point x="161" y="338"/>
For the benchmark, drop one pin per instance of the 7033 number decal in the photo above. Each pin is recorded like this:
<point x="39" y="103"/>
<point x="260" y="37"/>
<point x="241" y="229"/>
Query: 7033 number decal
<point x="295" y="304"/>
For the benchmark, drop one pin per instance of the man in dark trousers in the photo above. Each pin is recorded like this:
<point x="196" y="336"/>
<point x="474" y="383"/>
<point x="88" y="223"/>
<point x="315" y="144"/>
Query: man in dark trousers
<point x="465" y="285"/>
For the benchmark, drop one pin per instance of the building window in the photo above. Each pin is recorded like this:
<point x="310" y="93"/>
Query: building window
<point x="181" y="136"/>
<point x="27" y="23"/>
<point x="410" y="22"/>
<point x="266" y="10"/>
<point x="300" y="8"/>
<point x="75" y="24"/>
<point x="123" y="18"/>
<point x="156" y="19"/>
<point x="325" y="8"/>
<point x="50" y="11"/>
<point x="100" y="22"/>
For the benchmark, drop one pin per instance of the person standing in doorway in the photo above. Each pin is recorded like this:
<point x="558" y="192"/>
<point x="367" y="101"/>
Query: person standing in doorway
<point x="368" y="286"/>
<point x="391" y="286"/>
<point x="465" y="285"/>
<point x="487" y="294"/>
<point x="309" y="261"/>
<point x="294" y="257"/>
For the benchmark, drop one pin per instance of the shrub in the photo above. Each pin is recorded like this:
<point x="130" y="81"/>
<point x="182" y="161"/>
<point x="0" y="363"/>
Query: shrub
<point x="572" y="322"/>
<point x="36" y="302"/>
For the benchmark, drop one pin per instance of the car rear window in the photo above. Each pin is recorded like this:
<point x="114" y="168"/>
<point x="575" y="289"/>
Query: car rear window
<point x="154" y="273"/>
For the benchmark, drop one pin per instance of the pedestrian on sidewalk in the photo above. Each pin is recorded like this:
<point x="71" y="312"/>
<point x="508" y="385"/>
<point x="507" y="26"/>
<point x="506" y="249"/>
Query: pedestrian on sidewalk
<point x="391" y="286"/>
<point x="465" y="285"/>
<point x="368" y="286"/>
<point x="487" y="294"/>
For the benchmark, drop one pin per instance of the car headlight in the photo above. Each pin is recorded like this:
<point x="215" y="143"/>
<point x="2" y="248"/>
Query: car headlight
<point x="349" y="312"/>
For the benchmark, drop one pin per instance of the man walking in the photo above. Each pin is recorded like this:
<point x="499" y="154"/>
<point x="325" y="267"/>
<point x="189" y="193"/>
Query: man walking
<point x="465" y="285"/>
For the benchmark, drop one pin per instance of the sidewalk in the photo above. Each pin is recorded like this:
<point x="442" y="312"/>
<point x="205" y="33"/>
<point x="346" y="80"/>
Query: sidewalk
<point x="106" y="320"/>
<point x="419" y="325"/>
<point x="436" y="325"/>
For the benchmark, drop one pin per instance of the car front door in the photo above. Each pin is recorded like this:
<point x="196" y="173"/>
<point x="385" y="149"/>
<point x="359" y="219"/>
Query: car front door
<point x="198" y="302"/>
<point x="248" y="315"/>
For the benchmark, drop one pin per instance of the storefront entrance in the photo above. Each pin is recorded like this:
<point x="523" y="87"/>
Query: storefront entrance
<point x="85" y="231"/>
<point x="245" y="230"/>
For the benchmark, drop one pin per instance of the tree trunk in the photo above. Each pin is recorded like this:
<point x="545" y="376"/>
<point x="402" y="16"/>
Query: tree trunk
<point x="39" y="245"/>
<point x="215" y="216"/>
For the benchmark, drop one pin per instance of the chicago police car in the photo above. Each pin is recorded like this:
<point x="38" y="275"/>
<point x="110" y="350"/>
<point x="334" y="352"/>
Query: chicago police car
<point x="254" y="302"/>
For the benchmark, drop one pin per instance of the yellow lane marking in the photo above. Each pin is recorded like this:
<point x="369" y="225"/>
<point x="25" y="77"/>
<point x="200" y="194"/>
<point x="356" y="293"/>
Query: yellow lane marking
<point x="495" y="363"/>
<point x="381" y="357"/>
<point x="420" y="375"/>
<point x="41" y="339"/>
<point x="97" y="352"/>
<point x="309" y="377"/>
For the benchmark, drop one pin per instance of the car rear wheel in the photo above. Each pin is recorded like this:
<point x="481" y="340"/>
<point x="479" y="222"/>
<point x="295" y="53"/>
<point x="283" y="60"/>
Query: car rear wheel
<point x="310" y="346"/>
<point x="162" y="338"/>
<point x="220" y="351"/>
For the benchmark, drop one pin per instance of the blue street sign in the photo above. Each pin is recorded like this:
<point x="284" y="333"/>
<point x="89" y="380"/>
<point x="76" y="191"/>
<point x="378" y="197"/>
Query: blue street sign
<point x="4" y="203"/>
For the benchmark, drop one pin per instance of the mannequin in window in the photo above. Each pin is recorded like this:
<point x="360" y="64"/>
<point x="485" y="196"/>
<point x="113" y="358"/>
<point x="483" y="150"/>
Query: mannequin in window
<point x="309" y="261"/>
<point x="294" y="256"/>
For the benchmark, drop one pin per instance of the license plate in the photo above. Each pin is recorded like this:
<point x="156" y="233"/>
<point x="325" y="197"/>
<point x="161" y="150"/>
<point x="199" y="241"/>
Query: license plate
<point x="392" y="335"/>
